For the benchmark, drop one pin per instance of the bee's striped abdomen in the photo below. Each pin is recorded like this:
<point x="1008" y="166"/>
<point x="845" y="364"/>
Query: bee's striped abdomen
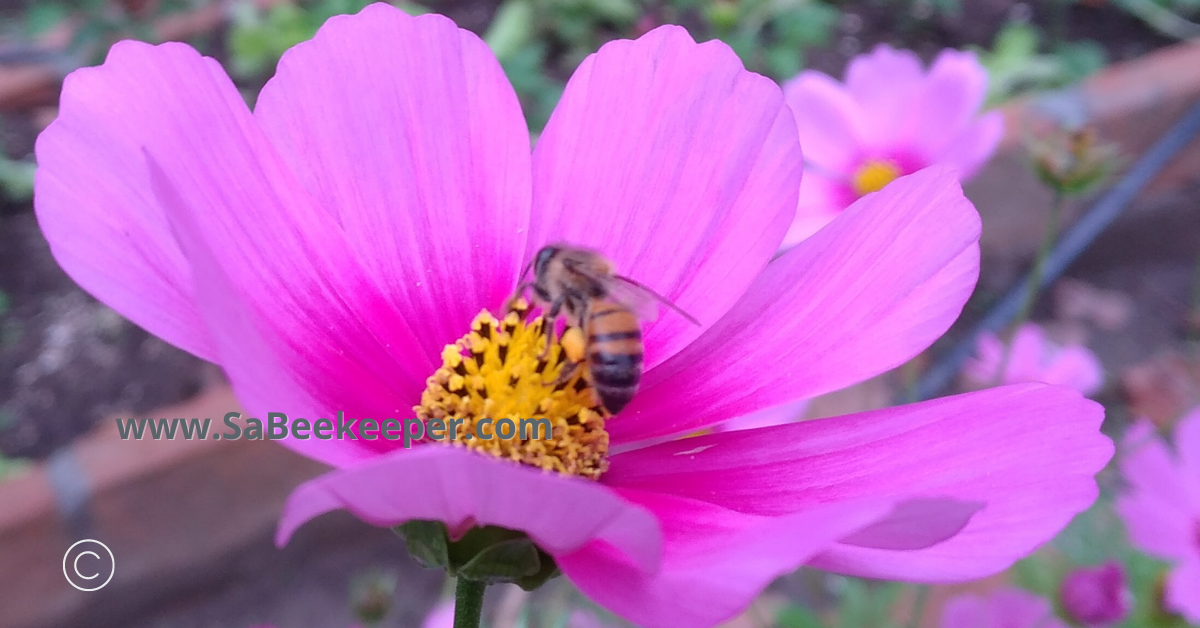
<point x="614" y="354"/>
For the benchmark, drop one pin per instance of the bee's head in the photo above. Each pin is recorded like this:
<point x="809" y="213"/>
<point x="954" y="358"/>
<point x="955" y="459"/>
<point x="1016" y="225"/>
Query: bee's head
<point x="542" y="261"/>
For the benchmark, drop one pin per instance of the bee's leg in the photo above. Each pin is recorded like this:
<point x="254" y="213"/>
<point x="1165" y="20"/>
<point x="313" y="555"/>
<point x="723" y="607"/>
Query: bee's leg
<point x="570" y="366"/>
<point x="517" y="294"/>
<point x="568" y="371"/>
<point x="548" y="320"/>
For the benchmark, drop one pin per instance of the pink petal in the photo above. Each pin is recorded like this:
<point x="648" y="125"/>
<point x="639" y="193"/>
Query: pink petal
<point x="1187" y="444"/>
<point x="983" y="369"/>
<point x="967" y="611"/>
<point x="883" y="82"/>
<point x="296" y="324"/>
<point x="408" y="132"/>
<point x="675" y="162"/>
<point x="946" y="103"/>
<point x="715" y="561"/>
<point x="916" y="524"/>
<point x="1029" y="348"/>
<point x="584" y="619"/>
<point x="861" y="296"/>
<point x="1006" y="608"/>
<point x="1183" y="589"/>
<point x="822" y="198"/>
<point x="442" y="616"/>
<point x="974" y="146"/>
<point x="1028" y="452"/>
<point x="828" y="120"/>
<point x="779" y="415"/>
<point x="92" y="193"/>
<point x="1078" y="368"/>
<point x="1155" y="508"/>
<point x="463" y="488"/>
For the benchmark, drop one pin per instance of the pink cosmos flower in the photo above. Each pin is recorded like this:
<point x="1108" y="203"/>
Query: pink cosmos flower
<point x="1162" y="508"/>
<point x="1004" y="608"/>
<point x="326" y="248"/>
<point x="890" y="118"/>
<point x="1097" y="596"/>
<point x="1035" y="358"/>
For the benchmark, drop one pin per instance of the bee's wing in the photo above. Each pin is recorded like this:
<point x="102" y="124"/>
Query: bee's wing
<point x="642" y="300"/>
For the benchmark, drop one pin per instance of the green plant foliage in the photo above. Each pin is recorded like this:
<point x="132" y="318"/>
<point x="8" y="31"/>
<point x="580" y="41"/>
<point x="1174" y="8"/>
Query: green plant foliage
<point x="866" y="603"/>
<point x="1015" y="64"/>
<point x="772" y="36"/>
<point x="16" y="179"/>
<point x="258" y="38"/>
<point x="43" y="17"/>
<point x="797" y="616"/>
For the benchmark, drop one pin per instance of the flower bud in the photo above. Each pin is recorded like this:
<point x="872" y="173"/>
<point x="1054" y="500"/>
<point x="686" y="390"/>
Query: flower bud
<point x="1097" y="596"/>
<point x="1072" y="162"/>
<point x="372" y="597"/>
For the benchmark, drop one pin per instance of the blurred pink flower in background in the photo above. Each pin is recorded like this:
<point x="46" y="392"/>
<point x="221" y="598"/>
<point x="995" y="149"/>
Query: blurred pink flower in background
<point x="890" y="118"/>
<point x="1034" y="358"/>
<point x="1097" y="596"/>
<point x="1161" y="509"/>
<point x="1005" y="608"/>
<point x="442" y="615"/>
<point x="328" y="247"/>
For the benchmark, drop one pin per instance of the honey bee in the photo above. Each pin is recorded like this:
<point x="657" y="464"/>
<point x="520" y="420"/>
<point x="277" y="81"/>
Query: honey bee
<point x="608" y="307"/>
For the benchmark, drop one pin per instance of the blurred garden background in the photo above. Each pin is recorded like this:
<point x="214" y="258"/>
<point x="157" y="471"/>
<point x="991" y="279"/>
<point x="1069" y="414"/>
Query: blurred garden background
<point x="1087" y="87"/>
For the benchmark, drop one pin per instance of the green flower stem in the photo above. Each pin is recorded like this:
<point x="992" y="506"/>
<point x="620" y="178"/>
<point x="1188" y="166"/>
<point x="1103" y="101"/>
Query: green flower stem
<point x="919" y="606"/>
<point x="1035" y="280"/>
<point x="468" y="602"/>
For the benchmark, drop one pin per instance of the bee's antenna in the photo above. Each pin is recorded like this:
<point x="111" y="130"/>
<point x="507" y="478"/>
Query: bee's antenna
<point x="528" y="267"/>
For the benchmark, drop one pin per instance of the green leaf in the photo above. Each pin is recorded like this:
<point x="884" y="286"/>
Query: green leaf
<point x="784" y="61"/>
<point x="43" y="16"/>
<point x="411" y="8"/>
<point x="721" y="15"/>
<point x="809" y="25"/>
<point x="16" y="179"/>
<point x="796" y="616"/>
<point x="618" y="11"/>
<point x="1081" y="59"/>
<point x="512" y="29"/>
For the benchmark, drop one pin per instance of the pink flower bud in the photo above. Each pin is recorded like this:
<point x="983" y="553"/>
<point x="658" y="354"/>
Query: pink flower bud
<point x="1097" y="596"/>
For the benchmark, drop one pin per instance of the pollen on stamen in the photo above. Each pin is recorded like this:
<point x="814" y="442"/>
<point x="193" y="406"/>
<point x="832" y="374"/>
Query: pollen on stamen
<point x="873" y="176"/>
<point x="497" y="371"/>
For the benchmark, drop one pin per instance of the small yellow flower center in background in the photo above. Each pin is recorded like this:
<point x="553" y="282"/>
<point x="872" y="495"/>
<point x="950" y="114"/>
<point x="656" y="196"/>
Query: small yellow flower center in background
<point x="873" y="176"/>
<point x="496" y="372"/>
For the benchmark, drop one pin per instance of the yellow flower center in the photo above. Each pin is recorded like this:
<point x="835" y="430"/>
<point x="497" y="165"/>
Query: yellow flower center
<point x="496" y="372"/>
<point x="873" y="176"/>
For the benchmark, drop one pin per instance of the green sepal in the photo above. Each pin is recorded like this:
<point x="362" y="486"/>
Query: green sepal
<point x="428" y="543"/>
<point x="506" y="561"/>
<point x="488" y="554"/>
<point x="548" y="571"/>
